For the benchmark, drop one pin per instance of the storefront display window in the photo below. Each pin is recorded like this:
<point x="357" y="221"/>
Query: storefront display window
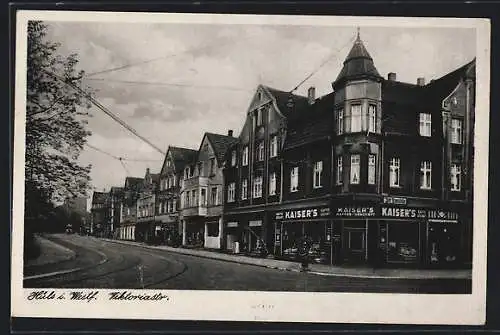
<point x="403" y="242"/>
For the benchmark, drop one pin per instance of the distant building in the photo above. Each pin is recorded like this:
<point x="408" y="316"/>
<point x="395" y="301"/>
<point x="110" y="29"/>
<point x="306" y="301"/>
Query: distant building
<point x="100" y="211"/>
<point x="168" y="200"/>
<point x="115" y="201"/>
<point x="202" y="193"/>
<point x="128" y="220"/>
<point x="145" y="230"/>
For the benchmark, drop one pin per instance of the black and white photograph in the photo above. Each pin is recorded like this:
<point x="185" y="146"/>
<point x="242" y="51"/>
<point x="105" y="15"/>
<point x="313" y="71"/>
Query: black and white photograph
<point x="216" y="161"/>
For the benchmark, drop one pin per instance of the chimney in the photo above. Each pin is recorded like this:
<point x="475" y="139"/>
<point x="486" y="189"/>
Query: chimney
<point x="391" y="76"/>
<point x="147" y="170"/>
<point x="311" y="95"/>
<point x="230" y="132"/>
<point x="421" y="81"/>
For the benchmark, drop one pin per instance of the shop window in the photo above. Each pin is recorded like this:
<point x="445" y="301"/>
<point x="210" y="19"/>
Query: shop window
<point x="257" y="187"/>
<point x="426" y="175"/>
<point x="371" y="169"/>
<point x="355" y="169"/>
<point x="272" y="183"/>
<point x="339" y="170"/>
<point x="456" y="131"/>
<point x="213" y="229"/>
<point x="294" y="179"/>
<point x="340" y="121"/>
<point x="372" y="118"/>
<point x="403" y="242"/>
<point x="425" y="124"/>
<point x="244" y="189"/>
<point x="443" y="242"/>
<point x="244" y="156"/>
<point x="317" y="173"/>
<point x="233" y="158"/>
<point x="231" y="192"/>
<point x="273" y="146"/>
<point x="356" y="118"/>
<point x="394" y="171"/>
<point x="456" y="176"/>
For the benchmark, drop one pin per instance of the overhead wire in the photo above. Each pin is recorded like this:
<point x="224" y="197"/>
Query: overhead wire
<point x="104" y="109"/>
<point x="327" y="59"/>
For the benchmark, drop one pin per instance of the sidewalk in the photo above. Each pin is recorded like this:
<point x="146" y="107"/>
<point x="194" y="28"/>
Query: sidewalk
<point x="50" y="253"/>
<point x="324" y="270"/>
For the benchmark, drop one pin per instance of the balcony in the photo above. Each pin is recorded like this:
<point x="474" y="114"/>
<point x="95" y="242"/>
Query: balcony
<point x="200" y="210"/>
<point x="194" y="182"/>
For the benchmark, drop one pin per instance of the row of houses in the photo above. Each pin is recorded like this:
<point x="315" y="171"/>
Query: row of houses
<point x="376" y="172"/>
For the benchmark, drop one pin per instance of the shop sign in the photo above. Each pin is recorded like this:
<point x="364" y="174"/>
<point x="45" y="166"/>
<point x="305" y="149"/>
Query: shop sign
<point x="232" y="224"/>
<point x="306" y="213"/>
<point x="419" y="213"/>
<point x="355" y="211"/>
<point x="394" y="200"/>
<point x="255" y="223"/>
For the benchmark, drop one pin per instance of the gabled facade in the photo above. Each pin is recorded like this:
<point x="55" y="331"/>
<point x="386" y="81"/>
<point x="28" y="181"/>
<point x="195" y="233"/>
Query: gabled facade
<point x="131" y="191"/>
<point x="168" y="193"/>
<point x="146" y="229"/>
<point x="100" y="213"/>
<point x="202" y="193"/>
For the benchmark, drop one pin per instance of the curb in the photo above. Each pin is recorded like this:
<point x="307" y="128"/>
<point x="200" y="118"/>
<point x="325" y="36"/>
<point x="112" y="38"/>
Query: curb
<point x="57" y="273"/>
<point x="56" y="246"/>
<point x="319" y="273"/>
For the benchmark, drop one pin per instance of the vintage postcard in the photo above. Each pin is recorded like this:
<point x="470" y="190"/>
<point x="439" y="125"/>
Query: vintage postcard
<point x="250" y="167"/>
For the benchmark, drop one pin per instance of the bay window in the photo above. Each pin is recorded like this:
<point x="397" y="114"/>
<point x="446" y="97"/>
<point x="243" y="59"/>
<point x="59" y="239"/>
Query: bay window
<point x="372" y="118"/>
<point x="340" y="121"/>
<point x="456" y="131"/>
<point x="356" y="116"/>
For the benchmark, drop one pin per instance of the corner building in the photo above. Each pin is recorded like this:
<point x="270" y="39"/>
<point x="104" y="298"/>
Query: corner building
<point x="377" y="172"/>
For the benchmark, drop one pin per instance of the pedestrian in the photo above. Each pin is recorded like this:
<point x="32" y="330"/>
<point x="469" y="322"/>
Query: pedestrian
<point x="304" y="247"/>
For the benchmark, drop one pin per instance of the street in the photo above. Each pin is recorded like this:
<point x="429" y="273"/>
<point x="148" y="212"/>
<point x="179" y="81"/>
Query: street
<point x="105" y="264"/>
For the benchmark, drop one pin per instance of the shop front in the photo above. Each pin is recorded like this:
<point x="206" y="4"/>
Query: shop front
<point x="292" y="225"/>
<point x="194" y="233"/>
<point x="247" y="233"/>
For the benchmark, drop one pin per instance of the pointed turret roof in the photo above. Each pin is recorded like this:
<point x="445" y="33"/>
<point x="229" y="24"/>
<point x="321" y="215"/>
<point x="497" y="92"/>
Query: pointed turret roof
<point x="358" y="64"/>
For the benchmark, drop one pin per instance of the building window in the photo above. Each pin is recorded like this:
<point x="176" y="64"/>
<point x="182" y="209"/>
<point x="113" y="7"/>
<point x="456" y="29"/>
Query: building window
<point x="174" y="205"/>
<point x="212" y="166"/>
<point x="371" y="169"/>
<point x="356" y="118"/>
<point x="340" y="121"/>
<point x="187" y="200"/>
<point x="425" y="124"/>
<point x="294" y="179"/>
<point x="394" y="170"/>
<point x="203" y="197"/>
<point x="231" y="192"/>
<point x="272" y="183"/>
<point x="244" y="189"/>
<point x="257" y="187"/>
<point x="273" y="146"/>
<point x="456" y="131"/>
<point x="355" y="169"/>
<point x="260" y="151"/>
<point x="425" y="175"/>
<point x="259" y="117"/>
<point x="213" y="196"/>
<point x="339" y="170"/>
<point x="213" y="229"/>
<point x="456" y="174"/>
<point x="200" y="169"/>
<point x="244" y="157"/>
<point x="193" y="198"/>
<point x="233" y="158"/>
<point x="318" y="171"/>
<point x="173" y="181"/>
<point x="186" y="172"/>
<point x="372" y="118"/>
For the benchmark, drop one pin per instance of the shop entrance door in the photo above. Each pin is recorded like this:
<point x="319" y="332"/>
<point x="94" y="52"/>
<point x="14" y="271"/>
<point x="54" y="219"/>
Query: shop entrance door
<point x="355" y="245"/>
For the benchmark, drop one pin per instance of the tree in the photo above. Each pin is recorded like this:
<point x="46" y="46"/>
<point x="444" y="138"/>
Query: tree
<point x="56" y="121"/>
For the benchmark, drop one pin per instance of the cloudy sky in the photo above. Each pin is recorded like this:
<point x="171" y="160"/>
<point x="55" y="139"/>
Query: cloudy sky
<point x="192" y="78"/>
